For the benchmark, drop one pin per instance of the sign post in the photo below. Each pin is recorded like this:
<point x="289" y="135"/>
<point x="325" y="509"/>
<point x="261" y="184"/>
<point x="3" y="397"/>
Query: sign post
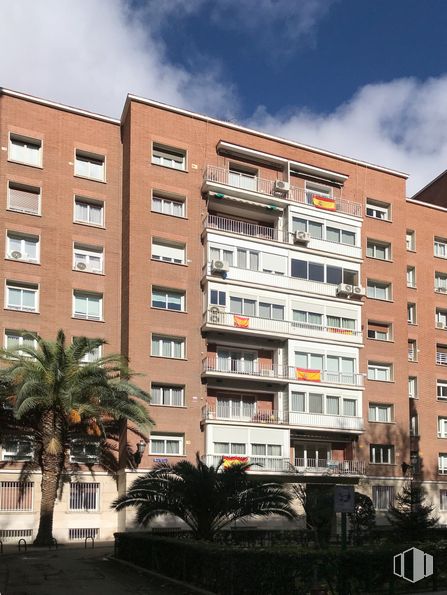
<point x="344" y="503"/>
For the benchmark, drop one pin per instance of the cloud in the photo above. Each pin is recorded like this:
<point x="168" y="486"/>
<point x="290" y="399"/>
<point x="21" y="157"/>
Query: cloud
<point x="401" y="124"/>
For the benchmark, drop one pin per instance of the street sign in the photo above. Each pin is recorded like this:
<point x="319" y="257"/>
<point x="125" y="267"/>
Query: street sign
<point x="344" y="499"/>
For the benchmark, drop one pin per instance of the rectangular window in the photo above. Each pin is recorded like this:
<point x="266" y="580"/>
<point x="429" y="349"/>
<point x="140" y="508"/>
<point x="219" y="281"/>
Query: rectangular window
<point x="240" y="176"/>
<point x="22" y="296"/>
<point x="441" y="354"/>
<point x="442" y="463"/>
<point x="230" y="448"/>
<point x="378" y="210"/>
<point x="338" y="322"/>
<point x="18" y="339"/>
<point x="440" y="247"/>
<point x="271" y="311"/>
<point x="379" y="250"/>
<point x="350" y="407"/>
<point x="90" y="212"/>
<point x="168" y="251"/>
<point x="441" y="389"/>
<point x="243" y="306"/>
<point x="92" y="356"/>
<point x="411" y="313"/>
<point x="313" y="271"/>
<point x="247" y="259"/>
<point x="378" y="290"/>
<point x="381" y="331"/>
<point x="382" y="454"/>
<point x="441" y="282"/>
<point x="16" y="496"/>
<point x="25" y="150"/>
<point x="84" y="496"/>
<point x="266" y="450"/>
<point x="17" y="449"/>
<point x="412" y="350"/>
<point x="166" y="445"/>
<point x="168" y="299"/>
<point x="171" y="396"/>
<point x="301" y="317"/>
<point x="21" y="246"/>
<point x="442" y="499"/>
<point x="172" y="347"/>
<point x="378" y="412"/>
<point x="442" y="427"/>
<point x="168" y="156"/>
<point x="298" y="402"/>
<point x="313" y="189"/>
<point x="89" y="259"/>
<point x="220" y="253"/>
<point x="413" y="387"/>
<point x="382" y="372"/>
<point x="89" y="165"/>
<point x="84" y="452"/>
<point x="273" y="263"/>
<point x="167" y="205"/>
<point x="382" y="497"/>
<point x="87" y="305"/>
<point x="218" y="298"/>
<point x="410" y="240"/>
<point x="411" y="277"/>
<point x="24" y="199"/>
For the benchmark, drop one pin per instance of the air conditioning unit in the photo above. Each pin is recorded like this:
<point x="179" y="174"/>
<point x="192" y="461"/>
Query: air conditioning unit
<point x="301" y="237"/>
<point x="81" y="266"/>
<point x="358" y="291"/>
<point x="345" y="289"/>
<point x="219" y="266"/>
<point x="281" y="186"/>
<point x="440" y="325"/>
<point x="216" y="314"/>
<point x="16" y="254"/>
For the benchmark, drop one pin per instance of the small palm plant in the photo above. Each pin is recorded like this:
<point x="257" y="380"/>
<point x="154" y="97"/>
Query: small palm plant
<point x="206" y="498"/>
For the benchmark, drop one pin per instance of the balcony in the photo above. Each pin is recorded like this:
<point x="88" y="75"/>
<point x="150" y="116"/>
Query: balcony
<point x="214" y="319"/>
<point x="212" y="366"/>
<point x="262" y="232"/>
<point x="260" y="464"/>
<point x="326" y="422"/>
<point x="218" y="179"/>
<point x="256" y="416"/>
<point x="329" y="467"/>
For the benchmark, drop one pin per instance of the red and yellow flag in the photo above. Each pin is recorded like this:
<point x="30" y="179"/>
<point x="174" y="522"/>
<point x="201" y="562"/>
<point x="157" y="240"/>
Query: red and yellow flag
<point x="232" y="461"/>
<point x="324" y="202"/>
<point x="343" y="331"/>
<point x="309" y="375"/>
<point x="241" y="321"/>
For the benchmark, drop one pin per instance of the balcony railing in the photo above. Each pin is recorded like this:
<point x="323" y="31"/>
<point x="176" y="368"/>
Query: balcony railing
<point x="278" y="464"/>
<point x="441" y="359"/>
<point x="325" y="421"/>
<point x="279" y="327"/>
<point x="329" y="467"/>
<point x="279" y="372"/>
<point x="257" y="416"/>
<point x="223" y="177"/>
<point x="412" y="355"/>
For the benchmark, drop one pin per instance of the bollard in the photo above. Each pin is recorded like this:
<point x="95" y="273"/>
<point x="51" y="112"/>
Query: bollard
<point x="93" y="541"/>
<point x="20" y="543"/>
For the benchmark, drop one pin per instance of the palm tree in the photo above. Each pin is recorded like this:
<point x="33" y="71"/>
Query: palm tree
<point x="205" y="498"/>
<point x="50" y="393"/>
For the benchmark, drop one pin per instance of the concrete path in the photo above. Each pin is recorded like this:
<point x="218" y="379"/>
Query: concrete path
<point x="77" y="571"/>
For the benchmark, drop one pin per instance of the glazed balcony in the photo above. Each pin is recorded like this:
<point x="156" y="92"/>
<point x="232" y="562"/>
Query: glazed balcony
<point x="329" y="467"/>
<point x="215" y="319"/>
<point x="325" y="421"/>
<point x="260" y="464"/>
<point x="219" y="179"/>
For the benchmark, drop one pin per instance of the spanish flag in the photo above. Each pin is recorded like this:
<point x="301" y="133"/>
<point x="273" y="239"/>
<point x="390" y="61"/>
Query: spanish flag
<point x="241" y="321"/>
<point x="233" y="461"/>
<point x="324" y="202"/>
<point x="309" y="375"/>
<point x="343" y="331"/>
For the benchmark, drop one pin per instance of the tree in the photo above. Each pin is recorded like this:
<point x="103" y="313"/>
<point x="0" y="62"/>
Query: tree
<point x="50" y="394"/>
<point x="317" y="501"/>
<point x="363" y="519"/>
<point x="410" y="516"/>
<point x="206" y="498"/>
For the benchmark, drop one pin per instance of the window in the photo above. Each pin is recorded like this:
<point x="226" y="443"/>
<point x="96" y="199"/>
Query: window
<point x="314" y="271"/>
<point x="378" y="210"/>
<point x="441" y="389"/>
<point x="168" y="251"/>
<point x="168" y="157"/>
<point x="303" y="402"/>
<point x="218" y="298"/>
<point x="414" y="424"/>
<point x="379" y="412"/>
<point x="411" y="313"/>
<point x="442" y="463"/>
<point x="84" y="452"/>
<point x="441" y="354"/>
<point x="378" y="290"/>
<point x="167" y="205"/>
<point x="381" y="331"/>
<point x="381" y="454"/>
<point x="412" y="350"/>
<point x="413" y="387"/>
<point x="238" y="361"/>
<point x="87" y="305"/>
<point x="442" y="499"/>
<point x="301" y="317"/>
<point x="90" y="212"/>
<point x="411" y="277"/>
<point x="338" y="322"/>
<point x="166" y="445"/>
<point x="242" y="177"/>
<point x="244" y="306"/>
<point x="440" y="247"/>
<point x="24" y="199"/>
<point x="173" y="396"/>
<point x="22" y="296"/>
<point x="90" y="166"/>
<point x="247" y="259"/>
<point x="22" y="247"/>
<point x="338" y="369"/>
<point x="442" y="427"/>
<point x="172" y="347"/>
<point x="410" y="240"/>
<point x="314" y="228"/>
<point x="441" y="318"/>
<point x="271" y="311"/>
<point x="382" y="372"/>
<point x="382" y="497"/>
<point x="340" y="236"/>
<point x="319" y="231"/>
<point x="273" y="263"/>
<point x="441" y="282"/>
<point x="221" y="253"/>
<point x="318" y="190"/>
<point x="25" y="150"/>
<point x="84" y="496"/>
<point x="92" y="356"/>
<point x="88" y="258"/>
<point x="266" y="450"/>
<point x="168" y="299"/>
<point x="230" y="448"/>
<point x="16" y="496"/>
<point x="17" y="449"/>
<point x="18" y="339"/>
<point x="379" y="250"/>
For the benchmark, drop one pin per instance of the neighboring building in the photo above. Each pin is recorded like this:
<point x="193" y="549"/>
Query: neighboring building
<point x="231" y="267"/>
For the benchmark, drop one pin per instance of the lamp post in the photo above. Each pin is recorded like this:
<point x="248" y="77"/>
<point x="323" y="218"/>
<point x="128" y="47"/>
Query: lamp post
<point x="138" y="454"/>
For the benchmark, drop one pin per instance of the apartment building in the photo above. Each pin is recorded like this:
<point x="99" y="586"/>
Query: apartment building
<point x="274" y="296"/>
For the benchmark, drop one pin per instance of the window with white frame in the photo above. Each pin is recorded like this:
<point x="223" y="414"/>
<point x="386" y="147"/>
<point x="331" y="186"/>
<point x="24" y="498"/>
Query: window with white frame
<point x="413" y="387"/>
<point x="303" y="402"/>
<point x="271" y="311"/>
<point x="25" y="150"/>
<point x="218" y="298"/>
<point x="92" y="356"/>
<point x="244" y="306"/>
<point x="302" y="317"/>
<point x="84" y="496"/>
<point x="247" y="259"/>
<point x="380" y="412"/>
<point x="22" y="296"/>
<point x="172" y="347"/>
<point x="383" y="497"/>
<point x="16" y="496"/>
<point x="440" y="247"/>
<point x="340" y="322"/>
<point x="442" y="463"/>
<point x="414" y="423"/>
<point x="272" y="263"/>
<point x="266" y="450"/>
<point x="17" y="449"/>
<point x="24" y="199"/>
<point x="21" y="246"/>
<point x="84" y="452"/>
<point x="166" y="444"/>
<point x="442" y="427"/>
<point x="379" y="250"/>
<point x="442" y="499"/>
<point x="164" y="394"/>
<point x="441" y="354"/>
<point x="378" y="210"/>
<point x="168" y="299"/>
<point x="19" y="339"/>
<point x="379" y="371"/>
<point x="222" y="253"/>
<point x="323" y="273"/>
<point x="230" y="448"/>
<point x="168" y="205"/>
<point x="410" y="240"/>
<point x="168" y="251"/>
<point x="313" y="189"/>
<point x="339" y="369"/>
<point x="242" y="361"/>
<point x="89" y="212"/>
<point x="321" y="231"/>
<point x="89" y="165"/>
<point x="411" y="313"/>
<point x="381" y="331"/>
<point x="382" y="454"/>
<point x="412" y="350"/>
<point x="240" y="176"/>
<point x="89" y="259"/>
<point x="378" y="290"/>
<point x="441" y="389"/>
<point x="87" y="305"/>
<point x="411" y="277"/>
<point x="441" y="282"/>
<point x="168" y="156"/>
<point x="441" y="318"/>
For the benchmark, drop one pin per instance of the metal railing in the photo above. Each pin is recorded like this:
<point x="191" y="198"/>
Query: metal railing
<point x="441" y="359"/>
<point x="221" y="175"/>
<point x="325" y="421"/>
<point x="260" y="464"/>
<point x="412" y="355"/>
<point x="259" y="416"/>
<point x="16" y="496"/>
<point x="329" y="466"/>
<point x="84" y="496"/>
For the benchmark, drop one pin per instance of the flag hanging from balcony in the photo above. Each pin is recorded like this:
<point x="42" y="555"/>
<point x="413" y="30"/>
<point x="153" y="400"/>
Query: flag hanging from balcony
<point x="241" y="321"/>
<point x="324" y="202"/>
<point x="309" y="375"/>
<point x="232" y="461"/>
<point x="343" y="331"/>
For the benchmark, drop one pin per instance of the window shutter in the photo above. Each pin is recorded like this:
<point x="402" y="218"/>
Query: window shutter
<point x="25" y="201"/>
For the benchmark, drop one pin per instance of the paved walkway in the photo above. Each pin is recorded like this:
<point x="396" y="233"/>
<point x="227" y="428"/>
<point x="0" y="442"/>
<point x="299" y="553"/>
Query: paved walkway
<point x="77" y="571"/>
